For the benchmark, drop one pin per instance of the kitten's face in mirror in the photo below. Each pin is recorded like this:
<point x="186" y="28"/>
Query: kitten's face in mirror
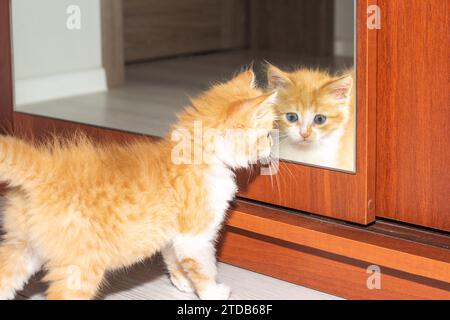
<point x="311" y="104"/>
<point x="309" y="122"/>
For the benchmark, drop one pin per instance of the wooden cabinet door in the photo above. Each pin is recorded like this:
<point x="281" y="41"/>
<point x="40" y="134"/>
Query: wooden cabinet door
<point x="6" y="98"/>
<point x="155" y="28"/>
<point x="413" y="112"/>
<point x="345" y="196"/>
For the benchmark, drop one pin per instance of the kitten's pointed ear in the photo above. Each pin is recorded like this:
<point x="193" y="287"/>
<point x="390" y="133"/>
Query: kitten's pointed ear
<point x="259" y="106"/>
<point x="254" y="109"/>
<point x="276" y="78"/>
<point x="245" y="79"/>
<point x="340" y="89"/>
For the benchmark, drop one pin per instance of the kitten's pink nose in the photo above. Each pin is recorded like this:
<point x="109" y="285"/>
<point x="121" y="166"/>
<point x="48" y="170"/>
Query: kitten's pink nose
<point x="305" y="135"/>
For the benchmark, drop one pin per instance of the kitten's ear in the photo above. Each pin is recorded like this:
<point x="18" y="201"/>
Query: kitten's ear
<point x="276" y="78"/>
<point x="253" y="109"/>
<point x="340" y="89"/>
<point x="245" y="79"/>
<point x="259" y="107"/>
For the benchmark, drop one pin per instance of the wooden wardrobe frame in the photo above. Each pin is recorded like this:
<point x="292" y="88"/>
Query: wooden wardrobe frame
<point x="317" y="252"/>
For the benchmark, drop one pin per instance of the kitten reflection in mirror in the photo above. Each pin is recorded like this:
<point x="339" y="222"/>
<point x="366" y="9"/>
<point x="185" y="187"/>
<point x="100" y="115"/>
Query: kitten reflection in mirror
<point x="315" y="116"/>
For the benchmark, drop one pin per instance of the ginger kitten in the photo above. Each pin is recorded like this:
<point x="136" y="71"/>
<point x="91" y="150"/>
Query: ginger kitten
<point x="315" y="117"/>
<point x="78" y="210"/>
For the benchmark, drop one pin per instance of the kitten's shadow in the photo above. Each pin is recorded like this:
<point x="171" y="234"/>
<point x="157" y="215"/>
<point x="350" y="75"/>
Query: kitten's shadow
<point x="114" y="282"/>
<point x="127" y="279"/>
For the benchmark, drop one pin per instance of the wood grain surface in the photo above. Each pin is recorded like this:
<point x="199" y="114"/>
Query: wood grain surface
<point x="316" y="269"/>
<point x="6" y="84"/>
<point x="420" y="257"/>
<point x="413" y="118"/>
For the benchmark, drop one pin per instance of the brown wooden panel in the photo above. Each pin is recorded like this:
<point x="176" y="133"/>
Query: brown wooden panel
<point x="322" y="271"/>
<point x="36" y="127"/>
<point x="413" y="118"/>
<point x="327" y="192"/>
<point x="6" y="89"/>
<point x="362" y="243"/>
<point x="297" y="26"/>
<point x="410" y="233"/>
<point x="155" y="28"/>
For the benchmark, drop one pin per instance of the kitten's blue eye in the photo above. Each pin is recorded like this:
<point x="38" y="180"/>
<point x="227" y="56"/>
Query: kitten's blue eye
<point x="320" y="119"/>
<point x="292" y="117"/>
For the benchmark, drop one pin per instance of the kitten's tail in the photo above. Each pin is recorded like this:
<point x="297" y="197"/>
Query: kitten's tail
<point x="19" y="162"/>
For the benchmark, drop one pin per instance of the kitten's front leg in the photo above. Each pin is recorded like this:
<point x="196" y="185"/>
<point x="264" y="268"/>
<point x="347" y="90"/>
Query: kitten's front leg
<point x="177" y="275"/>
<point x="196" y="254"/>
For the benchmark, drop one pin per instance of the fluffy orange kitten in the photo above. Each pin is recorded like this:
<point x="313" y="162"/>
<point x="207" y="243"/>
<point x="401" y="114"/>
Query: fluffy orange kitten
<point x="78" y="210"/>
<point x="315" y="117"/>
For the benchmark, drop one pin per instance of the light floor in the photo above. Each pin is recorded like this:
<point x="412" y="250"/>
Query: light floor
<point x="155" y="91"/>
<point x="148" y="281"/>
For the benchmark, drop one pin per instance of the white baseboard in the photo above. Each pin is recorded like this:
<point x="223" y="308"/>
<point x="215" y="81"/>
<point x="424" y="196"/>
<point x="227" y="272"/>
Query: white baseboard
<point x="59" y="86"/>
<point x="343" y="48"/>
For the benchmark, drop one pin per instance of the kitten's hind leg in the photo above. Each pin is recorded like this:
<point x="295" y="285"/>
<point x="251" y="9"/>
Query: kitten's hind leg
<point x="74" y="281"/>
<point x="196" y="255"/>
<point x="177" y="275"/>
<point x="18" y="263"/>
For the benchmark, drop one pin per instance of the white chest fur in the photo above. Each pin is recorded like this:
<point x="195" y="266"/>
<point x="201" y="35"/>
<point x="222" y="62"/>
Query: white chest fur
<point x="321" y="153"/>
<point x="221" y="190"/>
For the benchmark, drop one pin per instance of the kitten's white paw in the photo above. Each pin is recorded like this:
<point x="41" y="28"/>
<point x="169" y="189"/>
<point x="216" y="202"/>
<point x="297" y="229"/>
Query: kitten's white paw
<point x="182" y="284"/>
<point x="7" y="295"/>
<point x="217" y="291"/>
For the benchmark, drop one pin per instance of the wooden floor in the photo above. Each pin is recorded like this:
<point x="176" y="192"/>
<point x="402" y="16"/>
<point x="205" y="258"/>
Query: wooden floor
<point x="155" y="91"/>
<point x="149" y="281"/>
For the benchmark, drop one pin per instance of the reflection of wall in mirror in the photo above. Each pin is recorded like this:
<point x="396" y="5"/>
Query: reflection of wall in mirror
<point x="50" y="60"/>
<point x="344" y="27"/>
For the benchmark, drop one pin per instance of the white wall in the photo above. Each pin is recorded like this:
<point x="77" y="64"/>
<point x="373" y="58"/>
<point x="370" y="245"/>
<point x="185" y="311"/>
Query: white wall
<point x="51" y="61"/>
<point x="344" y="32"/>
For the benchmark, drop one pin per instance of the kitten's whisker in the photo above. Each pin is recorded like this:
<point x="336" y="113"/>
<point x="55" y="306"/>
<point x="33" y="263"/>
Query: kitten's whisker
<point x="250" y="173"/>
<point x="270" y="173"/>
<point x="277" y="180"/>
<point x="288" y="170"/>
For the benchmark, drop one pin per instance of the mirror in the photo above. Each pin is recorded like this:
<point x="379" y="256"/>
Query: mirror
<point x="131" y="65"/>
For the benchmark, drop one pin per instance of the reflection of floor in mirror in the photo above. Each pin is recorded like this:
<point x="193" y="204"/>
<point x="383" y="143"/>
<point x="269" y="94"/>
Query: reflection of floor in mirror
<point x="156" y="90"/>
<point x="149" y="281"/>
